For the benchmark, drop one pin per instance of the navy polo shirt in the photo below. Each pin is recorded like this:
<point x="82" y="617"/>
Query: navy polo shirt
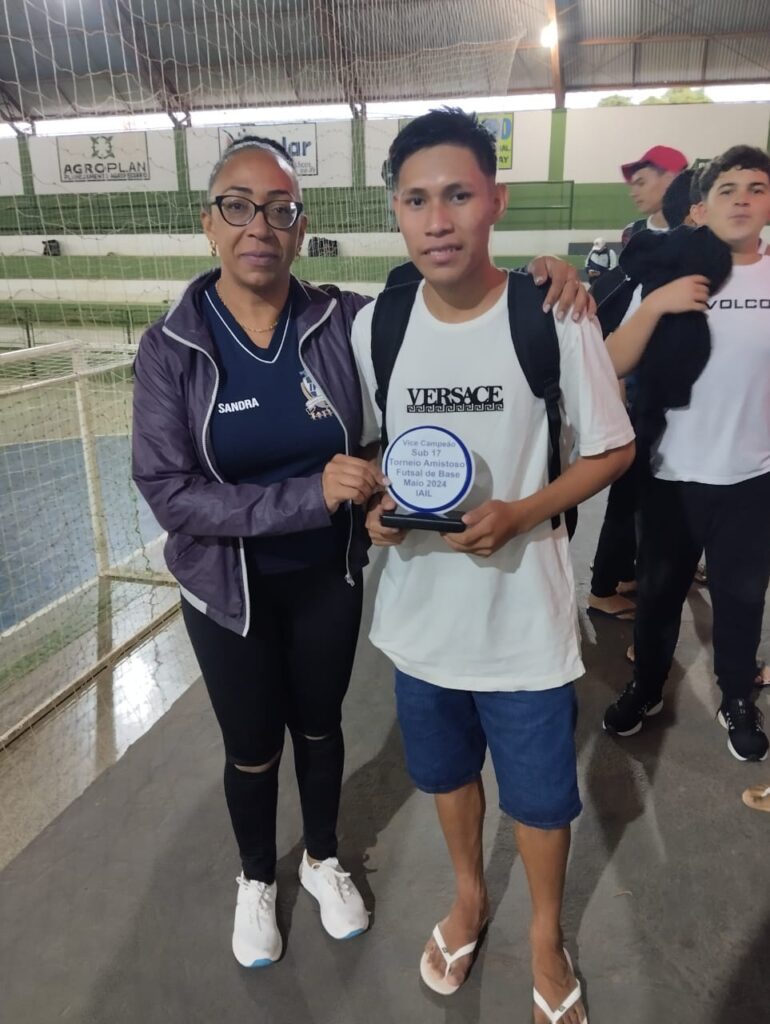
<point x="271" y="423"/>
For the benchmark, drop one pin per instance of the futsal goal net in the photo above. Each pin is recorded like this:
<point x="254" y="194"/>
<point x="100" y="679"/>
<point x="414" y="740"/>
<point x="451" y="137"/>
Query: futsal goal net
<point x="111" y="117"/>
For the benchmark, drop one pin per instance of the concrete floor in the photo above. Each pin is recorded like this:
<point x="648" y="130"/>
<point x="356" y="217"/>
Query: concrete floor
<point x="120" y="909"/>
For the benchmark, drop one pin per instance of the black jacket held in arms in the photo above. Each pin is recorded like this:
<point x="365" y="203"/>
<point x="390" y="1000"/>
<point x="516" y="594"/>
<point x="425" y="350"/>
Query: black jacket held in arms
<point x="680" y="345"/>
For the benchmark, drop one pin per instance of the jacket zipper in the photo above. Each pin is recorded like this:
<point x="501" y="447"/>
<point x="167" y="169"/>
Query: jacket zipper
<point x="616" y="289"/>
<point x="348" y="575"/>
<point x="204" y="446"/>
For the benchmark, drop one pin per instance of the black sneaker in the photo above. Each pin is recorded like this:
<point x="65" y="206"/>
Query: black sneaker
<point x="625" y="716"/>
<point x="743" y="721"/>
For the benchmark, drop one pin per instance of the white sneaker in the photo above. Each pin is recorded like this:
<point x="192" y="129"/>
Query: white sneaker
<point x="256" y="939"/>
<point x="343" y="913"/>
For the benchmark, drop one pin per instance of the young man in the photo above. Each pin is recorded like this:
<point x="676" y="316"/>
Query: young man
<point x="613" y="575"/>
<point x="482" y="625"/>
<point x="710" y="485"/>
<point x="648" y="178"/>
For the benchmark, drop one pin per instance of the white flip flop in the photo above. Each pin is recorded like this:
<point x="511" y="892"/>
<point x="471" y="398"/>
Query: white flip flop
<point x="757" y="798"/>
<point x="554" y="1016"/>
<point x="442" y="986"/>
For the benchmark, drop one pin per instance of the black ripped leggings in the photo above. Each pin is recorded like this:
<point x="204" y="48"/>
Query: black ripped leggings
<point x="291" y="670"/>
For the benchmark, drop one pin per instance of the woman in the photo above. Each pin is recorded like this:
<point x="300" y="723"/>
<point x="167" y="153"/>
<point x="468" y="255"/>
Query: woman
<point x="246" y="415"/>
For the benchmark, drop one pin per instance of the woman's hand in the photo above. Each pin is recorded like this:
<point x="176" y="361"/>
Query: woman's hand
<point x="382" y="536"/>
<point x="346" y="478"/>
<point x="685" y="295"/>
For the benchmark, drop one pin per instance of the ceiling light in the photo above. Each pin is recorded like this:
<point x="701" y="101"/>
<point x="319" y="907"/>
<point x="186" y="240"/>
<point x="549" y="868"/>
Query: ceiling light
<point x="549" y="36"/>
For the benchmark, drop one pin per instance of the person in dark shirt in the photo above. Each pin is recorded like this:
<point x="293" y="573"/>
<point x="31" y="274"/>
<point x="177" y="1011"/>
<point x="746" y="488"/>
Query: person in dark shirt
<point x="600" y="259"/>
<point x="613" y="572"/>
<point x="269" y="391"/>
<point x="247" y="411"/>
<point x="648" y="178"/>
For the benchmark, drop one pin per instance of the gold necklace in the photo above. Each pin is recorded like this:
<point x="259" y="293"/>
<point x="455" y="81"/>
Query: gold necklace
<point x="251" y="330"/>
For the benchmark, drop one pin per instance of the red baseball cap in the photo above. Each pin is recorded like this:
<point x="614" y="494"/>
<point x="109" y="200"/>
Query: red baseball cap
<point x="663" y="157"/>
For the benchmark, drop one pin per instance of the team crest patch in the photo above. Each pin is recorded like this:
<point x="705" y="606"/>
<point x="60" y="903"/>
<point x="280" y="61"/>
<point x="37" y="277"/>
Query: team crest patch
<point x="316" y="403"/>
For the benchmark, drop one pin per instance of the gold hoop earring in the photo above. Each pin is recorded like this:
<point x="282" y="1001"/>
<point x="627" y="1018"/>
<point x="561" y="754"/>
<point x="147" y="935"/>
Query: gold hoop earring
<point x="213" y="248"/>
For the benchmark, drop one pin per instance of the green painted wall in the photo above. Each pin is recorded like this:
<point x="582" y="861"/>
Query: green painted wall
<point x="552" y="204"/>
<point x="603" y="206"/>
<point x="532" y="206"/>
<point x="558" y="144"/>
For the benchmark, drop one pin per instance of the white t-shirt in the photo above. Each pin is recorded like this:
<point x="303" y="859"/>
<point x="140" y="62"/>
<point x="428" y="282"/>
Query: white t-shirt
<point x="723" y="436"/>
<point x="652" y="227"/>
<point x="508" y="622"/>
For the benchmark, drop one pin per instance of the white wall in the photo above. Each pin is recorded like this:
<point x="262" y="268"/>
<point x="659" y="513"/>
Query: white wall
<point x="504" y="243"/>
<point x="106" y="245"/>
<point x="86" y="290"/>
<point x="152" y="152"/>
<point x="531" y="144"/>
<point x="378" y="136"/>
<point x="600" y="140"/>
<point x="333" y="140"/>
<point x="10" y="168"/>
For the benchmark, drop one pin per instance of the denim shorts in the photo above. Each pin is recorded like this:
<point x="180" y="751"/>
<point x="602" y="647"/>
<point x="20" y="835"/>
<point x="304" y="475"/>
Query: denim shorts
<point x="530" y="735"/>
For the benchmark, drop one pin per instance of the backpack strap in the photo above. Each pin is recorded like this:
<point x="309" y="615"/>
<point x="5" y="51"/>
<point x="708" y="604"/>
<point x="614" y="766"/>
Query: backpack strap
<point x="535" y="342"/>
<point x="537" y="348"/>
<point x="392" y="310"/>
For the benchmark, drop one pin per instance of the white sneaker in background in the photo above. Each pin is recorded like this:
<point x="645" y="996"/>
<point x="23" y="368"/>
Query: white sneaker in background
<point x="256" y="939"/>
<point x="343" y="913"/>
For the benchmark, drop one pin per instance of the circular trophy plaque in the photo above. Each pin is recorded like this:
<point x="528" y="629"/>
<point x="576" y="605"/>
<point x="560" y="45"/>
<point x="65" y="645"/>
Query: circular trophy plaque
<point x="429" y="468"/>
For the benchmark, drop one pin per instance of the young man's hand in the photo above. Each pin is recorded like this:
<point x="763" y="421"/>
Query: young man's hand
<point x="382" y="536"/>
<point x="489" y="526"/>
<point x="685" y="295"/>
<point x="566" y="287"/>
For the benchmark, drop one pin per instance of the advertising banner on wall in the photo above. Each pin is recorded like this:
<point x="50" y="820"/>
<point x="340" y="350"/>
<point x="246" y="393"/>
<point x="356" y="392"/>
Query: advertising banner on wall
<point x="119" y="157"/>
<point x="501" y="126"/>
<point x="299" y="140"/>
<point x="10" y="168"/>
<point x="105" y="162"/>
<point x="322" y="151"/>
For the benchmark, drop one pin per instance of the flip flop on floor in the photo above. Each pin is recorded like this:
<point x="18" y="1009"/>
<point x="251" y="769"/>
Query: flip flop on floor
<point x="442" y="985"/>
<point x="626" y="588"/>
<point x="622" y="615"/>
<point x="757" y="797"/>
<point x="554" y="1016"/>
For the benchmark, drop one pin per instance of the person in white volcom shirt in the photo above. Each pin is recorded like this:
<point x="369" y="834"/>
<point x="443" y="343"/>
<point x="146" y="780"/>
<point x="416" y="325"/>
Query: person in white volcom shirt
<point x="482" y="625"/>
<point x="710" y="484"/>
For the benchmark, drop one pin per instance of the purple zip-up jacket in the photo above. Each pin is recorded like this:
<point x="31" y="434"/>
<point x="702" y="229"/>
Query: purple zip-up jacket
<point x="176" y="382"/>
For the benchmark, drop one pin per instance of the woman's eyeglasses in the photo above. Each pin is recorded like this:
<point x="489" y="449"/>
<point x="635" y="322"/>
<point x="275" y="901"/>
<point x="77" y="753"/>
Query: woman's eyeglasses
<point x="281" y="214"/>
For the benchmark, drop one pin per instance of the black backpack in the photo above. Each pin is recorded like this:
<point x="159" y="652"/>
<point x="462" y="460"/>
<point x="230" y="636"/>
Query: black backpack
<point x="534" y="340"/>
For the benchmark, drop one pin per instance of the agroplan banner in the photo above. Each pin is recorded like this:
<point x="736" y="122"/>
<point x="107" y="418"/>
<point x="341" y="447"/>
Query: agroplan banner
<point x="105" y="162"/>
<point x="89" y="158"/>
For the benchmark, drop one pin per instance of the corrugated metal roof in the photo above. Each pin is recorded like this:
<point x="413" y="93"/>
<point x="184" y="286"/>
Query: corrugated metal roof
<point x="655" y="60"/>
<point x="60" y="58"/>
<point x="731" y="58"/>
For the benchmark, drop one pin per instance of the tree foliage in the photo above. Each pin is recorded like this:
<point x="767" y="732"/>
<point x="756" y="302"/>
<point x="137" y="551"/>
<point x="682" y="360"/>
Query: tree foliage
<point x="615" y="101"/>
